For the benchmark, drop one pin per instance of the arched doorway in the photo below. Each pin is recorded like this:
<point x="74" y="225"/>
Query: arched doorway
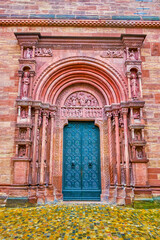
<point x="81" y="89"/>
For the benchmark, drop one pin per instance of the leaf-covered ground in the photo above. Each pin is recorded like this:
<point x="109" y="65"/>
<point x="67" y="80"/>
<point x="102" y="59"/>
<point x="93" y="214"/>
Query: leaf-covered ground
<point x="70" y="221"/>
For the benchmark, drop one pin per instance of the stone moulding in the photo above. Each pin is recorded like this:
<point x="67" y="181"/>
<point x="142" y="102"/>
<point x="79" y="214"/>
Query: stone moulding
<point x="79" y="23"/>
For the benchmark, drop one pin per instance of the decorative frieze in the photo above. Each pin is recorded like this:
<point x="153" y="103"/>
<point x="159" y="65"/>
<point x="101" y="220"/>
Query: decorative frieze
<point x="81" y="112"/>
<point x="113" y="53"/>
<point x="43" y="52"/>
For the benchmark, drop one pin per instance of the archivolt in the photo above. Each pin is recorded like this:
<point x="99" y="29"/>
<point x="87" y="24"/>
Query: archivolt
<point x="57" y="76"/>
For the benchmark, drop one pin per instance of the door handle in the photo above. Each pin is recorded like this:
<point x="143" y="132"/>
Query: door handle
<point x="90" y="164"/>
<point x="73" y="164"/>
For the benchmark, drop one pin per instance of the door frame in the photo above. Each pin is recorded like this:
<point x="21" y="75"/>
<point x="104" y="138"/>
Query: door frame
<point x="104" y="161"/>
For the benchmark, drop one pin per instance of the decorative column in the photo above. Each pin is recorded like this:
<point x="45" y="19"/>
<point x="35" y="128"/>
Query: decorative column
<point x="52" y="114"/>
<point x="21" y="51"/>
<point x="129" y="84"/>
<point x="43" y="148"/>
<point x="126" y="152"/>
<point x="140" y="83"/>
<point x="32" y="73"/>
<point x="20" y="73"/>
<point x="118" y="161"/>
<point x="34" y="175"/>
<point x="109" y="115"/>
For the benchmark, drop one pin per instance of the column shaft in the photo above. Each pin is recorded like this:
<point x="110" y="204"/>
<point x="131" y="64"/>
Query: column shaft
<point x="118" y="150"/>
<point x="126" y="154"/>
<point x="110" y="150"/>
<point x="43" y="149"/>
<point x="34" y="176"/>
<point x="51" y="151"/>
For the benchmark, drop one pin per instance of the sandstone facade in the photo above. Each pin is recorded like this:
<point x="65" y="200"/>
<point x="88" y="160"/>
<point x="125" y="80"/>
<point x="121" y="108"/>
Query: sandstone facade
<point x="86" y="47"/>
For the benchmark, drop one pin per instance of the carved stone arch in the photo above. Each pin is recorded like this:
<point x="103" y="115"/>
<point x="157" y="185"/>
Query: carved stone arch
<point x="103" y="75"/>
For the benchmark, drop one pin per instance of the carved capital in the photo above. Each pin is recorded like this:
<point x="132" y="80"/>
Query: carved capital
<point x="124" y="111"/>
<point x="52" y="114"/>
<point x="45" y="113"/>
<point x="36" y="111"/>
<point x="116" y="113"/>
<point x="109" y="114"/>
<point x="139" y="74"/>
<point x="128" y="74"/>
<point x="32" y="73"/>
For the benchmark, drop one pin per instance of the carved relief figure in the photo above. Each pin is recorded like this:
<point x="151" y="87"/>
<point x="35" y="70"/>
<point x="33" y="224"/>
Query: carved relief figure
<point x="136" y="114"/>
<point x="81" y="99"/>
<point x="132" y="55"/>
<point x="115" y="53"/>
<point x="28" y="53"/>
<point x="137" y="135"/>
<point x="134" y="85"/>
<point x="26" y="82"/>
<point x="43" y="52"/>
<point x="23" y="113"/>
<point x="22" y="151"/>
<point x="23" y="133"/>
<point x="139" y="153"/>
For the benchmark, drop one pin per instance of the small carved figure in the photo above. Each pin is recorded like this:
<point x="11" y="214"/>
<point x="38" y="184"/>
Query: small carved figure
<point x="28" y="53"/>
<point x="82" y="99"/>
<point x="134" y="85"/>
<point x="23" y="133"/>
<point x="26" y="82"/>
<point x="137" y="135"/>
<point x="73" y="100"/>
<point x="88" y="101"/>
<point x="22" y="151"/>
<point x="23" y="113"/>
<point x="139" y="153"/>
<point x="132" y="56"/>
<point x="136" y="114"/>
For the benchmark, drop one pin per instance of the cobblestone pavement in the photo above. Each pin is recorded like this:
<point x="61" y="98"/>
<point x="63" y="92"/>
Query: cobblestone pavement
<point x="79" y="221"/>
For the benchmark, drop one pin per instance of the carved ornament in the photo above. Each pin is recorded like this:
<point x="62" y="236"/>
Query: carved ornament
<point x="79" y="23"/>
<point x="113" y="53"/>
<point x="43" y="52"/>
<point x="81" y="112"/>
<point x="81" y="99"/>
<point x="22" y="151"/>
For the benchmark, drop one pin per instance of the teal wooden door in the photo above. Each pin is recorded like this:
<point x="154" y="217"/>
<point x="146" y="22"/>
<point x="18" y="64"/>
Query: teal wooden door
<point x="81" y="162"/>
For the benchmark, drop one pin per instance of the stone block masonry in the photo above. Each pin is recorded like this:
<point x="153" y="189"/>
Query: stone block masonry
<point x="101" y="9"/>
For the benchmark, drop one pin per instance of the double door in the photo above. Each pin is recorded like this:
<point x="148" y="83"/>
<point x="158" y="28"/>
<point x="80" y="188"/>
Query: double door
<point x="81" y="161"/>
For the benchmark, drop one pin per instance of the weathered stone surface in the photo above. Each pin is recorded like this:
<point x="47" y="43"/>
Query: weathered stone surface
<point x="10" y="54"/>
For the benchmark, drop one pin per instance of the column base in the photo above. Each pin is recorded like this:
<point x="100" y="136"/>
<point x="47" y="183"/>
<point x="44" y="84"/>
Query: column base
<point x="112" y="199"/>
<point x="120" y="195"/>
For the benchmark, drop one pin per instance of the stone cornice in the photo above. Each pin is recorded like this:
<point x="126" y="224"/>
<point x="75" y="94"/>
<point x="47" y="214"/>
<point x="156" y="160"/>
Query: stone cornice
<point x="80" y="23"/>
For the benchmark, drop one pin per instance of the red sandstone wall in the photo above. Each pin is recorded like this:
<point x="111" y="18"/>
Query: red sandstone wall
<point x="9" y="55"/>
<point x="76" y="8"/>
